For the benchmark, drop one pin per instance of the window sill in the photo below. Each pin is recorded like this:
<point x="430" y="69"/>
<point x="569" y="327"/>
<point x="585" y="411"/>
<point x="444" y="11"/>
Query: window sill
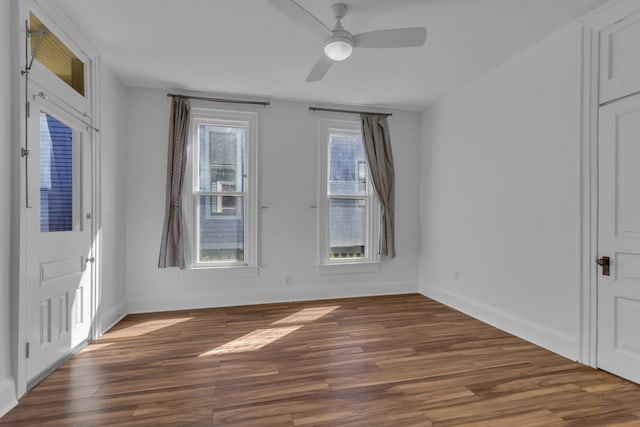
<point x="228" y="270"/>
<point x="347" y="268"/>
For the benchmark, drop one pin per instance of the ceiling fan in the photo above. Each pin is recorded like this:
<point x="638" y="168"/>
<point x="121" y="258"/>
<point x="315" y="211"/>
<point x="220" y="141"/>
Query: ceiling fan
<point x="339" y="42"/>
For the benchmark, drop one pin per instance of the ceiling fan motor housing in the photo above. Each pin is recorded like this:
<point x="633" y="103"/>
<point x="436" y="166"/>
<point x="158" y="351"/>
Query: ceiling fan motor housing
<point x="338" y="47"/>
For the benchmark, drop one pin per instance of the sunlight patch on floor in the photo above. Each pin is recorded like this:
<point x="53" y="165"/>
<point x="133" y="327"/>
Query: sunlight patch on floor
<point x="261" y="337"/>
<point x="252" y="341"/>
<point x="307" y="315"/>
<point x="95" y="346"/>
<point x="145" y="327"/>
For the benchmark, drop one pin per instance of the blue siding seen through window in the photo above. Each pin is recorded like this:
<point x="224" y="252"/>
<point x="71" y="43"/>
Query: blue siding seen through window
<point x="221" y="214"/>
<point x="347" y="177"/>
<point x="56" y="175"/>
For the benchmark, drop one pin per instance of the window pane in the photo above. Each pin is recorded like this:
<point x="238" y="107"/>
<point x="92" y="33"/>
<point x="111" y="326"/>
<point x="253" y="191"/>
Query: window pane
<point x="347" y="165"/>
<point x="221" y="228"/>
<point x="59" y="169"/>
<point x="57" y="57"/>
<point x="221" y="158"/>
<point x="348" y="228"/>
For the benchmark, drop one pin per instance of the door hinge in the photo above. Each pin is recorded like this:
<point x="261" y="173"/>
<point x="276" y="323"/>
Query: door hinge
<point x="28" y="109"/>
<point x="27" y="351"/>
<point x="24" y="152"/>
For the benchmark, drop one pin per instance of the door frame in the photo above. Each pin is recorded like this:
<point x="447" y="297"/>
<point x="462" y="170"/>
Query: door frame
<point x="64" y="29"/>
<point x="592" y="24"/>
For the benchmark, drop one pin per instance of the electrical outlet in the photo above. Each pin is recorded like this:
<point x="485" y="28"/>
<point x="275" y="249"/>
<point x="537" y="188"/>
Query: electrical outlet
<point x="456" y="275"/>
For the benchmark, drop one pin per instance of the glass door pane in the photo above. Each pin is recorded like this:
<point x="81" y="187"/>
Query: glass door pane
<point x="59" y="175"/>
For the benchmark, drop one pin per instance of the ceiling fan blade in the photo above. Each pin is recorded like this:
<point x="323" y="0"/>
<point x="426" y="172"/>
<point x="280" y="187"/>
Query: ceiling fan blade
<point x="396" y="37"/>
<point x="320" y="69"/>
<point x="302" y="16"/>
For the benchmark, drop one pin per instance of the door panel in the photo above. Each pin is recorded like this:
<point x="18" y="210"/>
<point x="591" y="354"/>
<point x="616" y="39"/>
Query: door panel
<point x="627" y="312"/>
<point x="619" y="238"/>
<point x="59" y="238"/>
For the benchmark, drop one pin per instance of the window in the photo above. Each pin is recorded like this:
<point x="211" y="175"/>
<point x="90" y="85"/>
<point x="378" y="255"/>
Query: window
<point x="223" y="231"/>
<point x="51" y="52"/>
<point x="348" y="205"/>
<point x="222" y="168"/>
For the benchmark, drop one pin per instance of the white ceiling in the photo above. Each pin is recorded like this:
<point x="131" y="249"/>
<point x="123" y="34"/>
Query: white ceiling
<point x="246" y="47"/>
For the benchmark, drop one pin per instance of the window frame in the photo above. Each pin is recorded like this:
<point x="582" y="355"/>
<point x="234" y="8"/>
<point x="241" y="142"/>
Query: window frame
<point x="191" y="197"/>
<point x="371" y="260"/>
<point x="41" y="67"/>
<point x="46" y="78"/>
<point x="79" y="140"/>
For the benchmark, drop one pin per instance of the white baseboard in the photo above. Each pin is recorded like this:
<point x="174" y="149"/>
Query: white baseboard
<point x="109" y="318"/>
<point x="185" y="301"/>
<point x="8" y="399"/>
<point x="563" y="344"/>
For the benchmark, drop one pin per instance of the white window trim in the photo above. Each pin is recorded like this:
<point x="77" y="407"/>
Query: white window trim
<point x="56" y="21"/>
<point x="219" y="195"/>
<point x="249" y="120"/>
<point x="349" y="265"/>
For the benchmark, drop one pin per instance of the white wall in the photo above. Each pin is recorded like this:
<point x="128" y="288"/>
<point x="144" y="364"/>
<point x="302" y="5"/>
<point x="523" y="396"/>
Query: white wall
<point x="113" y="188"/>
<point x="288" y="138"/>
<point x="500" y="195"/>
<point x="7" y="385"/>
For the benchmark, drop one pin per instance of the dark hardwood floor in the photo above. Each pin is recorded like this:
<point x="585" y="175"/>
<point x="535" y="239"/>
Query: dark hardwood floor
<point x="379" y="361"/>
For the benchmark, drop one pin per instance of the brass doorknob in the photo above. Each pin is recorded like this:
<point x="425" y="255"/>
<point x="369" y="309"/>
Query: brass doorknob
<point x="604" y="262"/>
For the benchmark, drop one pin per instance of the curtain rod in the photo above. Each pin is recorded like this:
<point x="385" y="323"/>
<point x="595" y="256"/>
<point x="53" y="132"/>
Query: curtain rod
<point x="333" y="110"/>
<point x="230" y="101"/>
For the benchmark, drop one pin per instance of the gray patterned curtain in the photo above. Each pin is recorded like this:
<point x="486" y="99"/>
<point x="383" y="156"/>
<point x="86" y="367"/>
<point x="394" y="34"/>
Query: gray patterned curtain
<point x="377" y="145"/>
<point x="172" y="244"/>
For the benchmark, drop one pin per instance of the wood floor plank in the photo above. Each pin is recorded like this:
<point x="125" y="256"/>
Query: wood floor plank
<point x="400" y="361"/>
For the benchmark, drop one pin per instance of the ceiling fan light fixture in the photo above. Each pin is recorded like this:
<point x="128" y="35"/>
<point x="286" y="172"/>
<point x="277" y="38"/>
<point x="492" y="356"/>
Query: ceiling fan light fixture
<point x="338" y="49"/>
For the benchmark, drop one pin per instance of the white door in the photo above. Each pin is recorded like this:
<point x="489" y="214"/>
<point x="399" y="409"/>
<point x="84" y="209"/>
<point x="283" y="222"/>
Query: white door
<point x="619" y="238"/>
<point x="58" y="231"/>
